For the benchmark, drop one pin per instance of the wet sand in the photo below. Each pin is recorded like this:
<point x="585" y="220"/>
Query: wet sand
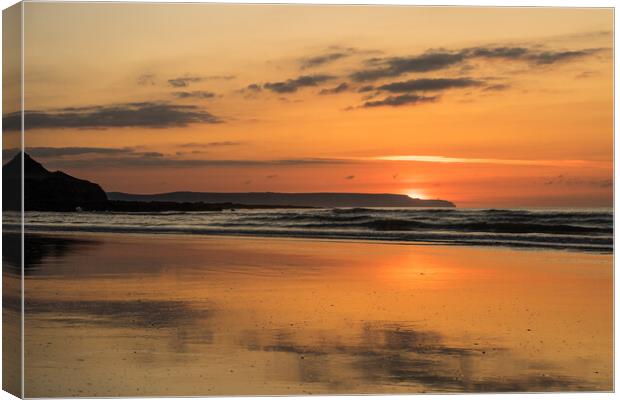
<point x="146" y="315"/>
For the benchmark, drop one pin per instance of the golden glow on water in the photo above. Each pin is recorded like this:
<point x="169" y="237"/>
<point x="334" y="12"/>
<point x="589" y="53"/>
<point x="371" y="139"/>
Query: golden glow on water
<point x="175" y="315"/>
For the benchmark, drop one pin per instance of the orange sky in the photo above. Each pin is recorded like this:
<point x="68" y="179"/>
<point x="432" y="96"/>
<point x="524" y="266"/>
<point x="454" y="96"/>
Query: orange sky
<point x="486" y="107"/>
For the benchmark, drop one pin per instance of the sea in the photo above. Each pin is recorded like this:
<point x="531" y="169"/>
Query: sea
<point x="588" y="230"/>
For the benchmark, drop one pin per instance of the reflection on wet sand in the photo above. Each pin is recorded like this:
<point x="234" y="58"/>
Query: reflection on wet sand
<point x="172" y="315"/>
<point x="389" y="354"/>
<point x="37" y="249"/>
<point x="11" y="313"/>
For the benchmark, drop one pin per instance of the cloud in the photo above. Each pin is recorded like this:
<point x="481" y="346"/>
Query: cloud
<point x="496" y="52"/>
<point x="429" y="84"/>
<point x="291" y="85"/>
<point x="367" y="88"/>
<point x="251" y="91"/>
<point x="396" y="101"/>
<point x="197" y="94"/>
<point x="396" y="66"/>
<point x="350" y="177"/>
<point x="149" y="154"/>
<point x="334" y="53"/>
<point x="151" y="160"/>
<point x="322" y="59"/>
<point x="575" y="181"/>
<point x="45" y="152"/>
<point x="128" y="115"/>
<point x="499" y="161"/>
<point x="253" y="87"/>
<point x="146" y="80"/>
<point x="530" y="55"/>
<point x="435" y="60"/>
<point x="496" y="88"/>
<point x="338" y="89"/>
<point x="211" y="144"/>
<point x="219" y="77"/>
<point x="185" y="81"/>
<point x="552" y="57"/>
<point x="585" y="74"/>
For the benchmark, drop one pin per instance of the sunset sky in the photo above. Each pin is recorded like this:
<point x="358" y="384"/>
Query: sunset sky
<point x="486" y="107"/>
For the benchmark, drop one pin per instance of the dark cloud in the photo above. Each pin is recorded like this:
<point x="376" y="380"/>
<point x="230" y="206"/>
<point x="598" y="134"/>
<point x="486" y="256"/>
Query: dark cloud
<point x="197" y="94"/>
<point x="45" y="152"/>
<point x="211" y="144"/>
<point x="496" y="52"/>
<point x="128" y="115"/>
<point x="322" y="59"/>
<point x="429" y="84"/>
<point x="576" y="181"/>
<point x="333" y="53"/>
<point x="585" y="74"/>
<point x="396" y="66"/>
<point x="552" y="57"/>
<point x="338" y="89"/>
<point x="367" y="88"/>
<point x="396" y="101"/>
<point x="253" y="87"/>
<point x="530" y="55"/>
<point x="350" y="177"/>
<point x="149" y="154"/>
<point x="497" y="87"/>
<point x="379" y="68"/>
<point x="156" y="161"/>
<point x="251" y="91"/>
<point x="273" y="176"/>
<point x="291" y="85"/>
<point x="185" y="81"/>
<point x="146" y="80"/>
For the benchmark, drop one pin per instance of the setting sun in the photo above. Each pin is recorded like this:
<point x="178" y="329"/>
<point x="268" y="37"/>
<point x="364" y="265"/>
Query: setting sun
<point x="415" y="194"/>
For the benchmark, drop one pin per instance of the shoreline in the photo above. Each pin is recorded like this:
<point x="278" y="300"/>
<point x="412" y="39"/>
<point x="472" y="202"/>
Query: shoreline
<point x="310" y="237"/>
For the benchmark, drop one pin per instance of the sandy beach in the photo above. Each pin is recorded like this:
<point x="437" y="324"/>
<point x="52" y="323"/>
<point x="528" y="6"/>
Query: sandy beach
<point x="124" y="314"/>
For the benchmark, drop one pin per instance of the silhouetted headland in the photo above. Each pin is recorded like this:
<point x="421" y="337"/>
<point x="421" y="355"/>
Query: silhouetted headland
<point x="58" y="191"/>
<point x="45" y="190"/>
<point x="289" y="199"/>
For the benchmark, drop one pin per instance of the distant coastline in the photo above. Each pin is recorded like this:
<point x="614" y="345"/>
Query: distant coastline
<point x="58" y="191"/>
<point x="322" y="200"/>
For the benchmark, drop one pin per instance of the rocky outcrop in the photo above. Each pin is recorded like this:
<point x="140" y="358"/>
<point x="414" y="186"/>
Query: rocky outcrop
<point x="45" y="190"/>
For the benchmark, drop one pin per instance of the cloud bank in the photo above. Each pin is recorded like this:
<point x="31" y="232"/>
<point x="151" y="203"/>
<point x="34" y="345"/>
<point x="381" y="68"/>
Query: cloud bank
<point x="128" y="115"/>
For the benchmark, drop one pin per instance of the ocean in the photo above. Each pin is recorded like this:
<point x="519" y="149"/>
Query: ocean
<point x="566" y="229"/>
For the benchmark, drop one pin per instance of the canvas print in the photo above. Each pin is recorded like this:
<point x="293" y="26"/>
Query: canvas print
<point x="252" y="199"/>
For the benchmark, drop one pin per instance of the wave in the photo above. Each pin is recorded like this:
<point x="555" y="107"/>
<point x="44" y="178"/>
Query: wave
<point x="589" y="230"/>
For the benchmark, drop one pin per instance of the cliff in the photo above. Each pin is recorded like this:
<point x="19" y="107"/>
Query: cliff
<point x="45" y="190"/>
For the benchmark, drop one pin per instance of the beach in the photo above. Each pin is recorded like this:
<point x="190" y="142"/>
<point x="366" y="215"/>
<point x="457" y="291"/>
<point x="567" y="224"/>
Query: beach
<point x="189" y="315"/>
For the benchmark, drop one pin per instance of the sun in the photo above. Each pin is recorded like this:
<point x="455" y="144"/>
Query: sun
<point x="415" y="194"/>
